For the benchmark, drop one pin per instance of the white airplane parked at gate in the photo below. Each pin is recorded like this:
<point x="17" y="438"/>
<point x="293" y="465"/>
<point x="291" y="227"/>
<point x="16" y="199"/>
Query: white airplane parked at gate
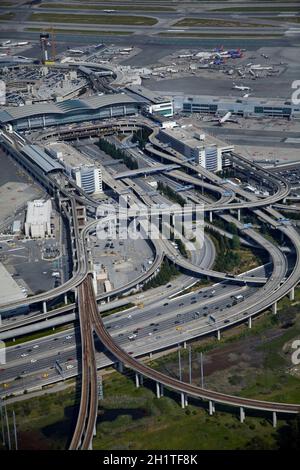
<point x="226" y="118"/>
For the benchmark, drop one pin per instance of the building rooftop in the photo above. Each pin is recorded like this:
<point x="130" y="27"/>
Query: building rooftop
<point x="70" y="156"/>
<point x="233" y="99"/>
<point x="144" y="93"/>
<point x="187" y="136"/>
<point x="40" y="158"/>
<point x="38" y="211"/>
<point x="11" y="113"/>
<point x="10" y="291"/>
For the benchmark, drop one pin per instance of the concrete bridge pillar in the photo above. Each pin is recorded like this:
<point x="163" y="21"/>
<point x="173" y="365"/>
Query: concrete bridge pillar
<point x="137" y="381"/>
<point x="120" y="367"/>
<point x="157" y="390"/>
<point x="239" y="214"/>
<point x="66" y="299"/>
<point x="219" y="335"/>
<point x="274" y="419"/>
<point x="184" y="344"/>
<point x="150" y="354"/>
<point x="182" y="400"/>
<point x="250" y="322"/>
<point x="45" y="306"/>
<point x="274" y="308"/>
<point x="242" y="414"/>
<point x="141" y="379"/>
<point x="210" y="217"/>
<point x="161" y="390"/>
<point x="95" y="430"/>
<point x="292" y="294"/>
<point x="211" y="408"/>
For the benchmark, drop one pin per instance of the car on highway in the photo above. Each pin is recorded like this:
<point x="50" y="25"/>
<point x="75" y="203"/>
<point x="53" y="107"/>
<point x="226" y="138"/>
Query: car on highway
<point x="132" y="337"/>
<point x="33" y="361"/>
<point x="69" y="337"/>
<point x="24" y="355"/>
<point x="36" y="346"/>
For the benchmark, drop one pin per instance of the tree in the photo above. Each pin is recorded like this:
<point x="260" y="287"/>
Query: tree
<point x="235" y="242"/>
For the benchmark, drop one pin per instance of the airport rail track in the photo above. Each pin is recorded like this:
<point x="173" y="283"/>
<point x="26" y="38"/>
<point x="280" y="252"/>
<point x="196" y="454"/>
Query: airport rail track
<point x="87" y="415"/>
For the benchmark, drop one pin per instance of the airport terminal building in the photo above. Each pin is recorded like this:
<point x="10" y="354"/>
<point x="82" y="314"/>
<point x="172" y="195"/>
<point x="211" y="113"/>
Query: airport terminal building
<point x="245" y="107"/>
<point x="93" y="108"/>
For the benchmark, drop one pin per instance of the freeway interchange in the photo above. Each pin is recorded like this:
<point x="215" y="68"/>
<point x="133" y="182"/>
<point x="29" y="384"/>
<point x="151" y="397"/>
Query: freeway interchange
<point x="165" y="320"/>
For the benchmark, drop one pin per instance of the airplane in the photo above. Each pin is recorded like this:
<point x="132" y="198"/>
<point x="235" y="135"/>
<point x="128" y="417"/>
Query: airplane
<point x="226" y="118"/>
<point x="246" y="95"/>
<point x="241" y="87"/>
<point x="76" y="51"/>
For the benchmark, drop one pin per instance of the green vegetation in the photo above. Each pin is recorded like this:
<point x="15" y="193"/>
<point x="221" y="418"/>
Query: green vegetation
<point x="292" y="215"/>
<point x="38" y="335"/>
<point x="141" y="136"/>
<point x="170" y="193"/>
<point x="230" y="34"/>
<point x="7" y="16"/>
<point x="287" y="19"/>
<point x="117" y="154"/>
<point x="89" y="32"/>
<point x="131" y="418"/>
<point x="45" y="422"/>
<point x="227" y="258"/>
<point x="194" y="22"/>
<point x="111" y="7"/>
<point x="166" y="273"/>
<point x="181" y="247"/>
<point x="93" y="19"/>
<point x="117" y="309"/>
<point x="226" y="226"/>
<point x="231" y="257"/>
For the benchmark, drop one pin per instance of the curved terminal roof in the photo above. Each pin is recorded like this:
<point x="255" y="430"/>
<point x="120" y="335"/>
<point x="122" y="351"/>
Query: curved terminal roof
<point x="11" y="113"/>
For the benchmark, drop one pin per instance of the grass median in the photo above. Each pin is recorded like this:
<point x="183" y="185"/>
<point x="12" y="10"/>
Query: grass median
<point x="194" y="22"/>
<point x="124" y="20"/>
